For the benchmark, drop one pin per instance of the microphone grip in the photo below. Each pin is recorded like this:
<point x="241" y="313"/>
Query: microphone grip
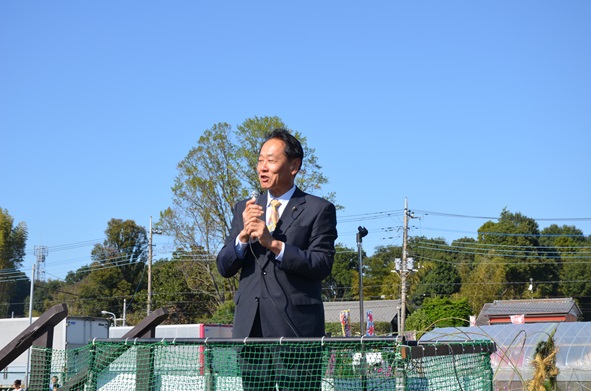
<point x="254" y="195"/>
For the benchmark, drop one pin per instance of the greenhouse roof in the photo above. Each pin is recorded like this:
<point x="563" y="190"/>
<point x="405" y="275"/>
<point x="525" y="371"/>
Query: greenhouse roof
<point x="516" y="345"/>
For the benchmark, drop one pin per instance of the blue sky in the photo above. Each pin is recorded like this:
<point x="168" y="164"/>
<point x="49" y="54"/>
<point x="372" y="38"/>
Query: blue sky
<point x="464" y="107"/>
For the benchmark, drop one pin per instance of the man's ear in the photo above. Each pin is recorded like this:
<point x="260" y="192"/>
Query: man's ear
<point x="295" y="165"/>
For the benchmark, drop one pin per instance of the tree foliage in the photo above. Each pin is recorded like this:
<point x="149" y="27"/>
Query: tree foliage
<point x="440" y="312"/>
<point x="514" y="242"/>
<point x="485" y="283"/>
<point x="216" y="173"/>
<point x="174" y="290"/>
<point x="435" y="272"/>
<point x="116" y="273"/>
<point x="572" y="249"/>
<point x="339" y="285"/>
<point x="379" y="280"/>
<point x="13" y="238"/>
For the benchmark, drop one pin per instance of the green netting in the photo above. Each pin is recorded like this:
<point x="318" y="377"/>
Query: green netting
<point x="317" y="365"/>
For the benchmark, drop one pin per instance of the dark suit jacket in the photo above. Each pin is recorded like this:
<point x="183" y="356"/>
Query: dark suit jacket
<point x="287" y="293"/>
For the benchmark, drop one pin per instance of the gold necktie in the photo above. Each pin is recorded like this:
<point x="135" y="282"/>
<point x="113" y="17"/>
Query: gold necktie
<point x="274" y="218"/>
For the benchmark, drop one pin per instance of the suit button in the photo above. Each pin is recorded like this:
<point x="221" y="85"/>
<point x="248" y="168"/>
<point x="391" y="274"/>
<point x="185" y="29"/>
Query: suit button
<point x="256" y="299"/>
<point x="264" y="273"/>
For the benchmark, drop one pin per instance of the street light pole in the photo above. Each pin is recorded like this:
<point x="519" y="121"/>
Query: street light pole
<point x="112" y="315"/>
<point x="124" y="312"/>
<point x="150" y="269"/>
<point x="362" y="232"/>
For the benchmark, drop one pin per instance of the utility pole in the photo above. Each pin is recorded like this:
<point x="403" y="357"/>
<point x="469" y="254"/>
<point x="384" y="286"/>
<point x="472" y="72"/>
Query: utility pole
<point x="405" y="271"/>
<point x="151" y="233"/>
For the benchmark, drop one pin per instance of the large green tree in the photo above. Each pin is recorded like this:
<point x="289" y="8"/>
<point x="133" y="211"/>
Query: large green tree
<point x="13" y="238"/>
<point x="338" y="286"/>
<point x="573" y="250"/>
<point x="515" y="240"/>
<point x="464" y="256"/>
<point x="435" y="273"/>
<point x="116" y="273"/>
<point x="485" y="283"/>
<point x="175" y="289"/>
<point x="378" y="277"/>
<point x="215" y="174"/>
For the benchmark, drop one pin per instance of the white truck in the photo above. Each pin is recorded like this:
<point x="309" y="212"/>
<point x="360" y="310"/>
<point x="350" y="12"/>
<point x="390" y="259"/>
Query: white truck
<point x="71" y="333"/>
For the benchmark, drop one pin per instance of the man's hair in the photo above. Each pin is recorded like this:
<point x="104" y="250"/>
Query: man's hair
<point x="293" y="148"/>
<point x="17" y="382"/>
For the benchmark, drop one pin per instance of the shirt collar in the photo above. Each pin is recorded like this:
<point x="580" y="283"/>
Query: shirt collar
<point x="284" y="198"/>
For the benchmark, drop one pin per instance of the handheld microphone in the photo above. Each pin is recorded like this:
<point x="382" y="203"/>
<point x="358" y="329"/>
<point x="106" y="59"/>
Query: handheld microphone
<point x="254" y="195"/>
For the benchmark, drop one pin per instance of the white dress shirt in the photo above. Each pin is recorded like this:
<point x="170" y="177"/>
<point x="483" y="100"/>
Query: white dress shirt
<point x="284" y="199"/>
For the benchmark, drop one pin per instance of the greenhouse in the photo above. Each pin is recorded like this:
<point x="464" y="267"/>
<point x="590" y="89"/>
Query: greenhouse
<point x="516" y="347"/>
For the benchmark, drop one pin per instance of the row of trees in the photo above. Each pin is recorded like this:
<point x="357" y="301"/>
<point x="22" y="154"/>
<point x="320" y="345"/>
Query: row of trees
<point x="510" y="259"/>
<point x="506" y="257"/>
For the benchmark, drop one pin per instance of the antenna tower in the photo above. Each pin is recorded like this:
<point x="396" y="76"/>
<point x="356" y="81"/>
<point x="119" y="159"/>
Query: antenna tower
<point x="40" y="254"/>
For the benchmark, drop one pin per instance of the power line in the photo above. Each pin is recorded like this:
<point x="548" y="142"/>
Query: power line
<point x="510" y="252"/>
<point x="371" y="216"/>
<point x="496" y="263"/>
<point x="71" y="246"/>
<point x="442" y="214"/>
<point x="510" y="245"/>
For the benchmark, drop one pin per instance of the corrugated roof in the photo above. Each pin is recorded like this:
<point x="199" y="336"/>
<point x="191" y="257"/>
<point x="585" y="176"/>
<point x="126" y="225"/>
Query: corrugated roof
<point x="531" y="307"/>
<point x="382" y="310"/>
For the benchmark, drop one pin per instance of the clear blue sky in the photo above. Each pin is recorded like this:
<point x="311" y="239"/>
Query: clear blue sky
<point x="464" y="107"/>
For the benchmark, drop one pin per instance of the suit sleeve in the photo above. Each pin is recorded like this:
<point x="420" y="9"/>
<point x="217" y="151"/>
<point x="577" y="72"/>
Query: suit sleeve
<point x="228" y="262"/>
<point x="309" y="250"/>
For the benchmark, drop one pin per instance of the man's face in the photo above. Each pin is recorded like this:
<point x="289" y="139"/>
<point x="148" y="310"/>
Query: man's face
<point x="276" y="172"/>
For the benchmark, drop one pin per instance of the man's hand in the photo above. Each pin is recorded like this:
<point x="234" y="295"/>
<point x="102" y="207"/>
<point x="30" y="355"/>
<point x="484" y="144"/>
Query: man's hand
<point x="261" y="232"/>
<point x="256" y="229"/>
<point x="251" y="217"/>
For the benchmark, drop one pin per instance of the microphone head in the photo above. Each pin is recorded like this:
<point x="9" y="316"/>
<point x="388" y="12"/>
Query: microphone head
<point x="254" y="194"/>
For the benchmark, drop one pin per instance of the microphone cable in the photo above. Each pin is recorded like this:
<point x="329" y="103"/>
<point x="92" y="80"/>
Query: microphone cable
<point x="283" y="316"/>
<point x="255" y="195"/>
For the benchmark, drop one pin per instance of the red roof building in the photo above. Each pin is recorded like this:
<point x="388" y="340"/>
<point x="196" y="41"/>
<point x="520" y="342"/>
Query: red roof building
<point x="529" y="311"/>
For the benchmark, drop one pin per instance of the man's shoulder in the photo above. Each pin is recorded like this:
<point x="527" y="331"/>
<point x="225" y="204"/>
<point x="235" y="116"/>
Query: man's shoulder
<point x="241" y="205"/>
<point x="314" y="199"/>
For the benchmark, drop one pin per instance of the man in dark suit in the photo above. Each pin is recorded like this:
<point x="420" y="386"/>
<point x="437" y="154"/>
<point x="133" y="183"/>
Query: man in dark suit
<point x="282" y="243"/>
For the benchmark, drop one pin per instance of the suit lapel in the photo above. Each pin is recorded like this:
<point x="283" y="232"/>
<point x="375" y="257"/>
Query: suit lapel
<point x="294" y="207"/>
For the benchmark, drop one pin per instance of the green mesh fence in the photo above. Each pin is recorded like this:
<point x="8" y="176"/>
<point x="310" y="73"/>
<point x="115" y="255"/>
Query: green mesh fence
<point x="328" y="364"/>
